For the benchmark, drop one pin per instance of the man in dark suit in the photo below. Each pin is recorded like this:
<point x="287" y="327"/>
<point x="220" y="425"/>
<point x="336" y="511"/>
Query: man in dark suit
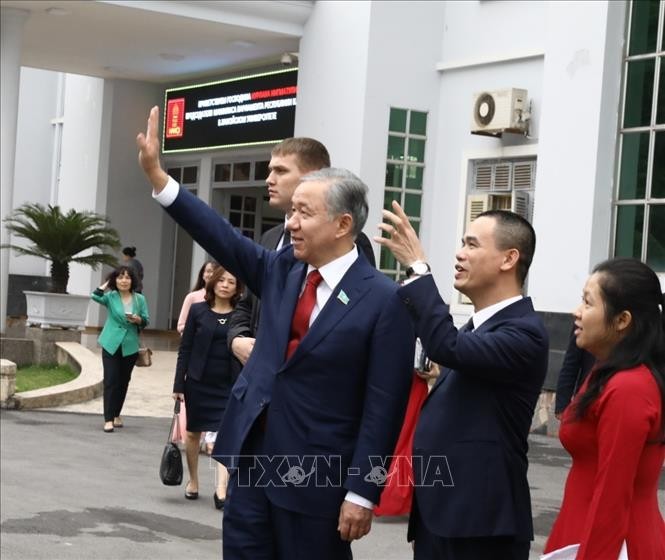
<point x="317" y="409"/>
<point x="290" y="160"/>
<point x="470" y="448"/>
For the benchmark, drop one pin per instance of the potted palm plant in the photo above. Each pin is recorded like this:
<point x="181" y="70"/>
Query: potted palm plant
<point x="62" y="239"/>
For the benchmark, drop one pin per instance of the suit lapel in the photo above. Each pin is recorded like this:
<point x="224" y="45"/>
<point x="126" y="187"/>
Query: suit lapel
<point x="210" y="321"/>
<point x="355" y="287"/>
<point x="117" y="307"/>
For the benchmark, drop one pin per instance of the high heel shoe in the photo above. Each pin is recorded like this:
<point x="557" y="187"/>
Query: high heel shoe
<point x="191" y="495"/>
<point x="219" y="502"/>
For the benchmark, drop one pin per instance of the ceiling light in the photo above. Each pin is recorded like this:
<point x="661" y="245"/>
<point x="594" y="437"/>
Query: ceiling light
<point x="288" y="58"/>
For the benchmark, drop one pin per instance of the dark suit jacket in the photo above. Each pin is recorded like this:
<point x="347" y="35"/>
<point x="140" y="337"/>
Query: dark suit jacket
<point x="195" y="346"/>
<point x="245" y="320"/>
<point x="577" y="363"/>
<point x="475" y="422"/>
<point x="340" y="398"/>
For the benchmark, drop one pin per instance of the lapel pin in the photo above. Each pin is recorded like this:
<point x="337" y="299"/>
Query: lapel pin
<point x="343" y="297"/>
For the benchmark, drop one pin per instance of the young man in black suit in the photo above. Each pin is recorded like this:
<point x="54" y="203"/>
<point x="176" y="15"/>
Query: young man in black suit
<point x="290" y="160"/>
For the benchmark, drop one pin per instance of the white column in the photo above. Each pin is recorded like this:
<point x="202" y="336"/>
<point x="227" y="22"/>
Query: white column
<point x="204" y="192"/>
<point x="11" y="31"/>
<point x="578" y="131"/>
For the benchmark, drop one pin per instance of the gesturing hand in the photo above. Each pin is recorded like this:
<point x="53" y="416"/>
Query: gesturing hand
<point x="402" y="240"/>
<point x="148" y="145"/>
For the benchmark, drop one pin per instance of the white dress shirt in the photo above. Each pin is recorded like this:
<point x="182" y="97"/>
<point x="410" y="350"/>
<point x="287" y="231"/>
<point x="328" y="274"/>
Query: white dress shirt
<point x="484" y="314"/>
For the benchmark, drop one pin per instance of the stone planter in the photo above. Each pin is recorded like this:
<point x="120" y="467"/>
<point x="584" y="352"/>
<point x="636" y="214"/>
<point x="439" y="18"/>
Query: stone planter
<point x="48" y="310"/>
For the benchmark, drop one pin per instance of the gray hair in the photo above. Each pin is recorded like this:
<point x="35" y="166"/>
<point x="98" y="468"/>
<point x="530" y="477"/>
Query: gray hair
<point x="347" y="194"/>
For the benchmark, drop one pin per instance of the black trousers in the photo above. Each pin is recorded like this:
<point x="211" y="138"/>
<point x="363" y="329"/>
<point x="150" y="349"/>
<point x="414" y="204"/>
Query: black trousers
<point x="117" y="373"/>
<point x="428" y="546"/>
<point x="253" y="528"/>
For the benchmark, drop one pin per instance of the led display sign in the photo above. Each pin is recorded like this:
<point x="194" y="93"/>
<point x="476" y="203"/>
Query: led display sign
<point x="246" y="111"/>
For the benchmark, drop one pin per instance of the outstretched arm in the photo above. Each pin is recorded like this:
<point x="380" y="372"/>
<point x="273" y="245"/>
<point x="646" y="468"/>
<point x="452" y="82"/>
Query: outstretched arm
<point x="148" y="145"/>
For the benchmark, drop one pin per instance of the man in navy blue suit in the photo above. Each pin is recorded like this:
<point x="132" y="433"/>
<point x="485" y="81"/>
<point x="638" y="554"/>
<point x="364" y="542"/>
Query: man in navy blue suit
<point x="475" y="422"/>
<point x="316" y="412"/>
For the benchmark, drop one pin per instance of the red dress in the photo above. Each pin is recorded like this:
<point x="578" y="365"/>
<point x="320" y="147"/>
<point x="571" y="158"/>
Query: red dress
<point x="611" y="491"/>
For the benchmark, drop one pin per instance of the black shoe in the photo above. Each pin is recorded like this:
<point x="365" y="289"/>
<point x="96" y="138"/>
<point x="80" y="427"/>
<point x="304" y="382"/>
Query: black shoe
<point x="191" y="495"/>
<point x="219" y="503"/>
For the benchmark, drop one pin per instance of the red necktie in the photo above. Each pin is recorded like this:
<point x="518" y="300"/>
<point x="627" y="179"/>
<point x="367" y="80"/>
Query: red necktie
<point x="304" y="307"/>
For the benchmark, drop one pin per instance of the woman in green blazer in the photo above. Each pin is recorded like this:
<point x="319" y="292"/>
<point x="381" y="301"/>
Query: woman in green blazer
<point x="119" y="339"/>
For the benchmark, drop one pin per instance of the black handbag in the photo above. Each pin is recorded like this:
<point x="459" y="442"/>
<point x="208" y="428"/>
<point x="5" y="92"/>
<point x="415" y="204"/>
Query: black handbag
<point x="170" y="468"/>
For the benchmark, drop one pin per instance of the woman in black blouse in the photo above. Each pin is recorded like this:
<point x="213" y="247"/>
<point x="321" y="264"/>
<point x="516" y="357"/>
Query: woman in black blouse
<point x="206" y="371"/>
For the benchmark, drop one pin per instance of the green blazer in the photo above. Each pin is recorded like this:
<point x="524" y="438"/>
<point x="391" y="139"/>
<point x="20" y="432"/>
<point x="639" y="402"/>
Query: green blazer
<point x="118" y="331"/>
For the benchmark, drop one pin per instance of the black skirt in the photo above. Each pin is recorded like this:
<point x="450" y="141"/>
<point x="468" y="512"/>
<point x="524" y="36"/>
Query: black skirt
<point x="206" y="399"/>
<point x="206" y="403"/>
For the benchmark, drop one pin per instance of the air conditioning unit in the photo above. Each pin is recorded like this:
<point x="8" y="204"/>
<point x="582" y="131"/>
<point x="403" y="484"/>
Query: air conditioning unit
<point x="499" y="111"/>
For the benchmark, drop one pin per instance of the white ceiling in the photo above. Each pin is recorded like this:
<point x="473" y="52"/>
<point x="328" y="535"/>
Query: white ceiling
<point x="158" y="41"/>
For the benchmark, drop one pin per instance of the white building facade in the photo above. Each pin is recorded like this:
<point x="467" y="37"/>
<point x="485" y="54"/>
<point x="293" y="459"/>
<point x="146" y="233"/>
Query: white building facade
<point x="391" y="89"/>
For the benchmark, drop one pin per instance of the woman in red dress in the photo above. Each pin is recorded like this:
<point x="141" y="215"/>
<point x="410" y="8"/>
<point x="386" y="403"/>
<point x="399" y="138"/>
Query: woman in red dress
<point x="615" y="427"/>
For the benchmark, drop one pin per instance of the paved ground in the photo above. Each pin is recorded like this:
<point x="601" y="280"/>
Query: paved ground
<point x="69" y="491"/>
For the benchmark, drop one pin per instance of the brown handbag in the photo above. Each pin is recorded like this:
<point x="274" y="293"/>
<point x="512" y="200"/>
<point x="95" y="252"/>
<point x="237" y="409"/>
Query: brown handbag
<point x="145" y="357"/>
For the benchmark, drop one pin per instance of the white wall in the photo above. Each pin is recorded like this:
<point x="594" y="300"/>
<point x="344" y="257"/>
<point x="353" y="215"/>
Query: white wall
<point x="456" y="144"/>
<point x="374" y="56"/>
<point x="332" y="79"/>
<point x="581" y="83"/>
<point x="38" y="96"/>
<point x="485" y="46"/>
<point x="80" y="158"/>
<point x="477" y="30"/>
<point x="404" y="43"/>
<point x="140" y="221"/>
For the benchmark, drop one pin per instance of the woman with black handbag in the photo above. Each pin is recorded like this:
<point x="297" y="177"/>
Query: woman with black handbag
<point x="205" y="373"/>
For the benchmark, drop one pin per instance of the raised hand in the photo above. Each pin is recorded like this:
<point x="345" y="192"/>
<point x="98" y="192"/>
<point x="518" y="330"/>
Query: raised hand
<point x="402" y="240"/>
<point x="148" y="145"/>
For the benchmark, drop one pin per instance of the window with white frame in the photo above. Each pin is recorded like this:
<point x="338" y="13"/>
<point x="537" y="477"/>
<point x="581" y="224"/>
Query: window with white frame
<point x="639" y="201"/>
<point x="186" y="175"/>
<point x="239" y="193"/>
<point x="405" y="166"/>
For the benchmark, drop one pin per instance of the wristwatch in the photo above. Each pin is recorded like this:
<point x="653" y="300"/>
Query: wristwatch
<point x="418" y="268"/>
